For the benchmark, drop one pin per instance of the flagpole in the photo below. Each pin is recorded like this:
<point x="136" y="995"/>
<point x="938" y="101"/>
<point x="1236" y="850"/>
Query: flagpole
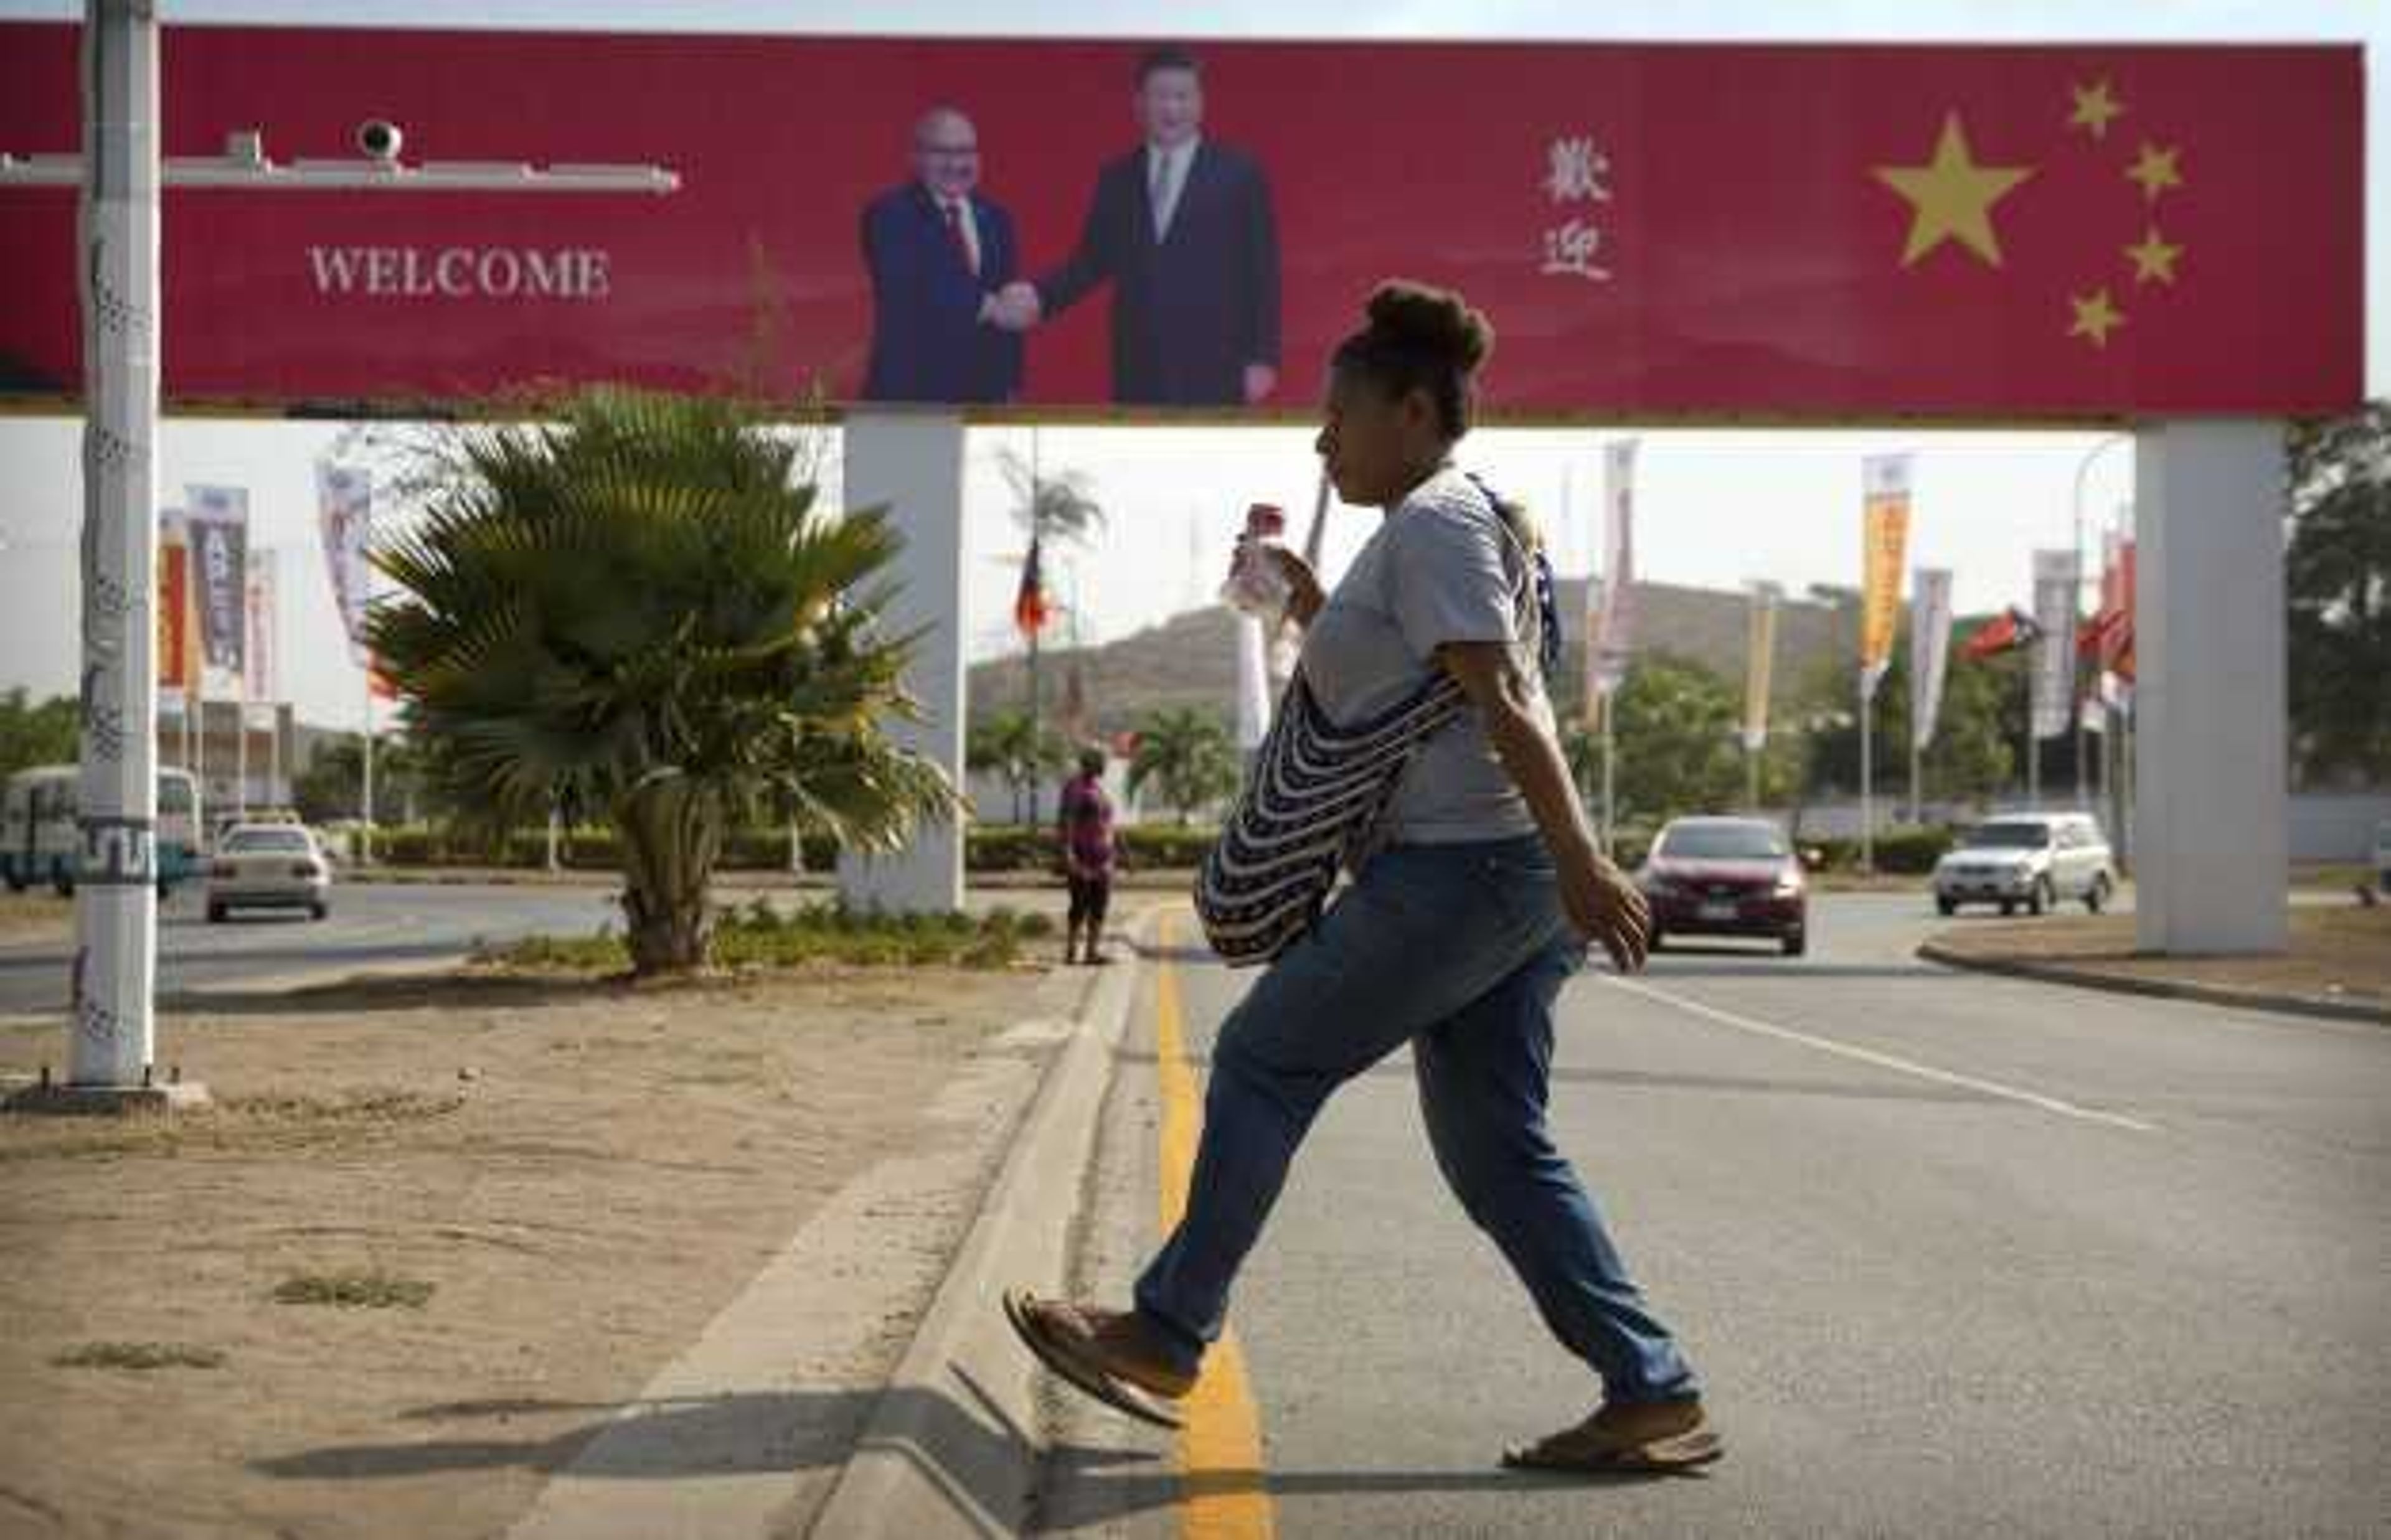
<point x="1917" y="813"/>
<point x="1036" y="556"/>
<point x="2033" y="746"/>
<point x="365" y="834"/>
<point x="1609" y="814"/>
<point x="365" y="608"/>
<point x="240" y="763"/>
<point x="1868" y="775"/>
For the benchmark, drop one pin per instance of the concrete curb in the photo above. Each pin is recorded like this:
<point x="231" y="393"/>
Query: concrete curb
<point x="2164" y="989"/>
<point x="950" y="1448"/>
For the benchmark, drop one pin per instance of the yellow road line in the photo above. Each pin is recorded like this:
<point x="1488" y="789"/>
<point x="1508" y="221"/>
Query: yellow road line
<point x="1220" y="1446"/>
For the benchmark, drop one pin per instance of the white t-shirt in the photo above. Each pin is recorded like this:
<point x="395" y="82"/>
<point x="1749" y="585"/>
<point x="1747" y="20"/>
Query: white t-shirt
<point x="1442" y="568"/>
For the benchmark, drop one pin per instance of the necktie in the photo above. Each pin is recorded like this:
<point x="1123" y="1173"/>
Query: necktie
<point x="1164" y="193"/>
<point x="955" y="234"/>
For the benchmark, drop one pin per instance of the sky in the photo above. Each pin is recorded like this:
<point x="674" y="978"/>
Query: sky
<point x="1715" y="508"/>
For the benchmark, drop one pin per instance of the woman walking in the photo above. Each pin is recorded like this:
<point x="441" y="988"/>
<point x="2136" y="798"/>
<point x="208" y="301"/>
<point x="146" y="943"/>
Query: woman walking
<point x="1476" y="894"/>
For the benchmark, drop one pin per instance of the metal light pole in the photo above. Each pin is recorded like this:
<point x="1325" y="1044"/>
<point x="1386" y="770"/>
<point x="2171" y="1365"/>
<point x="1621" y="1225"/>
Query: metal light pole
<point x="117" y="233"/>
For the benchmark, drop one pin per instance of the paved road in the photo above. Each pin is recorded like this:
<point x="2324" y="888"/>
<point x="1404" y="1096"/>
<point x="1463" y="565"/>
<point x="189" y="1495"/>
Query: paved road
<point x="371" y="925"/>
<point x="1958" y="1256"/>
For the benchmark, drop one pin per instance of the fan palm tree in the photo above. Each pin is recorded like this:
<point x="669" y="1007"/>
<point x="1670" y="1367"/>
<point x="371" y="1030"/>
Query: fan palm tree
<point x="1056" y="511"/>
<point x="639" y="613"/>
<point x="1187" y="754"/>
<point x="1058" y="507"/>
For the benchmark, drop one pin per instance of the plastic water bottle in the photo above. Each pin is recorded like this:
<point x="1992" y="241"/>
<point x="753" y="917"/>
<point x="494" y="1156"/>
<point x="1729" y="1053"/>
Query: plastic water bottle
<point x="1256" y="585"/>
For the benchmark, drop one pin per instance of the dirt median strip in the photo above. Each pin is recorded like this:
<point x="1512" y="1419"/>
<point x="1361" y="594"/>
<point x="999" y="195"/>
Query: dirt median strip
<point x="494" y="1211"/>
<point x="2337" y="966"/>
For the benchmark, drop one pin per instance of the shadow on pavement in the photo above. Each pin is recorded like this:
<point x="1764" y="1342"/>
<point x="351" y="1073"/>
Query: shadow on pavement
<point x="975" y="1461"/>
<point x="1080" y="1495"/>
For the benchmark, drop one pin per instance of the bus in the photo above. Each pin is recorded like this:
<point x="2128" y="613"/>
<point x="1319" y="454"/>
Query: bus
<point x="38" y="836"/>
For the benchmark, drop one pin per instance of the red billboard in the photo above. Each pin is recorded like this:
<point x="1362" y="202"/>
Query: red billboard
<point x="1658" y="231"/>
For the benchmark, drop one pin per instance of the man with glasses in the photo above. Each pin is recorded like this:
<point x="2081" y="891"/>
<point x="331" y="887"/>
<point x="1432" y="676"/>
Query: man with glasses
<point x="938" y="254"/>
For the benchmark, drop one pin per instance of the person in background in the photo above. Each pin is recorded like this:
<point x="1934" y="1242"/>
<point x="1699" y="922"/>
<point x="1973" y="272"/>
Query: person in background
<point x="1084" y="829"/>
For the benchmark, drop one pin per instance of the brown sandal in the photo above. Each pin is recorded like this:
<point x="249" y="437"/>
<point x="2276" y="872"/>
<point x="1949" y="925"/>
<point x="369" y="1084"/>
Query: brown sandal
<point x="1062" y="1340"/>
<point x="1647" y="1436"/>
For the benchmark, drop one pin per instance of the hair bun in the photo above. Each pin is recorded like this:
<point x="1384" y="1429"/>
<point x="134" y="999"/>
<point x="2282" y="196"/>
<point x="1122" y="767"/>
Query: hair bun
<point x="1434" y="321"/>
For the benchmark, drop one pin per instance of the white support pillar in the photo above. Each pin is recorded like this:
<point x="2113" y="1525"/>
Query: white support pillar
<point x="2211" y="823"/>
<point x="913" y="461"/>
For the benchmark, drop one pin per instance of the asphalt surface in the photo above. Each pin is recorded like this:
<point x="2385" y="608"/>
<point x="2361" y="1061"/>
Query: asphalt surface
<point x="1955" y="1255"/>
<point x="371" y="925"/>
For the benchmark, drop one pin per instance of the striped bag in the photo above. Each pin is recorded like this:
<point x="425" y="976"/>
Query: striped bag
<point x="1318" y="792"/>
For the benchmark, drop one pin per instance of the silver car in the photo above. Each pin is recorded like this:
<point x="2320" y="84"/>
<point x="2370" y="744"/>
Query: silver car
<point x="2028" y="860"/>
<point x="268" y="867"/>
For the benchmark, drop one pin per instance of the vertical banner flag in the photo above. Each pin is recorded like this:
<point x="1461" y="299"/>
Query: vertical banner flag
<point x="217" y="518"/>
<point x="262" y="663"/>
<point x="2054" y="658"/>
<point x="1885" y="542"/>
<point x="2115" y="621"/>
<point x="1929" y="652"/>
<point x="345" y="519"/>
<point x="1031" y="612"/>
<point x="174" y="611"/>
<point x="1759" y="665"/>
<point x="1612" y="641"/>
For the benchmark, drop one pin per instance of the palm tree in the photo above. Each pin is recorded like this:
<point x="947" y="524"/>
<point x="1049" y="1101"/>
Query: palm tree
<point x="1053" y="511"/>
<point x="1009" y="746"/>
<point x="1056" y="507"/>
<point x="639" y="613"/>
<point x="1188" y="754"/>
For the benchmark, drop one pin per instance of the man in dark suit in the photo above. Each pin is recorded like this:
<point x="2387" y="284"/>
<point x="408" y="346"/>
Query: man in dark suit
<point x="1182" y="229"/>
<point x="938" y="256"/>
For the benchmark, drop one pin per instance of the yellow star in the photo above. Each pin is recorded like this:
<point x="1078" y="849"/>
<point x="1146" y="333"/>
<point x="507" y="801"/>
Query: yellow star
<point x="2155" y="170"/>
<point x="2153" y="259"/>
<point x="1953" y="196"/>
<point x="2094" y="108"/>
<point x="2095" y="317"/>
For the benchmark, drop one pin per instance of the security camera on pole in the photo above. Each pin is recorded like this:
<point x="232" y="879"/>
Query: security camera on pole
<point x="120" y="173"/>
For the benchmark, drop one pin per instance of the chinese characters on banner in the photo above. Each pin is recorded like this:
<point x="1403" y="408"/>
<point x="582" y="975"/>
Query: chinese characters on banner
<point x="1577" y="178"/>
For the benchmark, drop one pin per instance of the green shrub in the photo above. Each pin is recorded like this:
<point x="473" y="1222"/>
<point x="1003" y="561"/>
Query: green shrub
<point x="761" y="935"/>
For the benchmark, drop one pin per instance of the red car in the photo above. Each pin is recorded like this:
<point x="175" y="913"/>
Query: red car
<point x="1726" y="877"/>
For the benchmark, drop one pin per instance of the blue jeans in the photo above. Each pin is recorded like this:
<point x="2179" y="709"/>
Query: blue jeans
<point x="1459" y="950"/>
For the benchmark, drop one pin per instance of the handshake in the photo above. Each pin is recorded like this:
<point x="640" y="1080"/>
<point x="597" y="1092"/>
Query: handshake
<point x="1013" y="308"/>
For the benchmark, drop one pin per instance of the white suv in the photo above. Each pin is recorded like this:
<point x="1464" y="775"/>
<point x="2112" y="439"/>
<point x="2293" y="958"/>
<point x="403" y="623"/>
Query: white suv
<point x="2030" y="859"/>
